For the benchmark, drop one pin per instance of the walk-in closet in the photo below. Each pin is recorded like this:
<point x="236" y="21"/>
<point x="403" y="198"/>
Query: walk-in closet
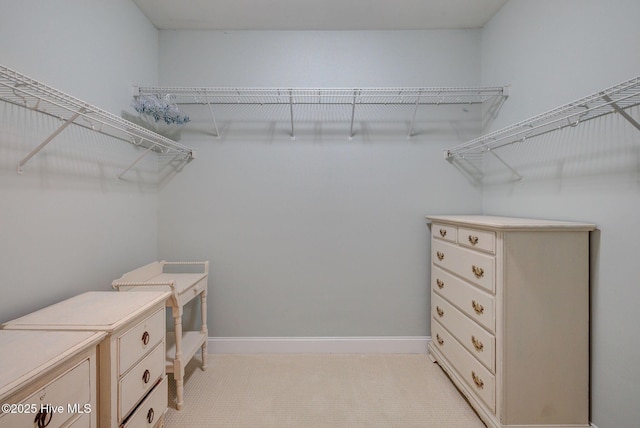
<point x="319" y="214"/>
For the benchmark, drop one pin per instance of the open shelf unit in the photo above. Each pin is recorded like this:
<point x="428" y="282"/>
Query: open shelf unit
<point x="24" y="91"/>
<point x="616" y="99"/>
<point x="351" y="97"/>
<point x="192" y="341"/>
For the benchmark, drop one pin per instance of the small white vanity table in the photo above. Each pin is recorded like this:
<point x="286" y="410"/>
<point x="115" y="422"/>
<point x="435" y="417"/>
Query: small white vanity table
<point x="184" y="285"/>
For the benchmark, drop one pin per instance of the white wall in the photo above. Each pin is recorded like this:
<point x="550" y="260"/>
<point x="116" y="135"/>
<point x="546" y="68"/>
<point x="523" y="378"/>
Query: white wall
<point x="320" y="236"/>
<point x="554" y="52"/>
<point x="68" y="224"/>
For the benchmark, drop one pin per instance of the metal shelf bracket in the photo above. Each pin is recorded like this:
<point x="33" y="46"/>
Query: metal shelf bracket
<point x="509" y="167"/>
<point x="353" y="113"/>
<point x="138" y="159"/>
<point x="293" y="137"/>
<point x="621" y="111"/>
<point x="41" y="146"/>
<point x="213" y="119"/>
<point x="413" y="118"/>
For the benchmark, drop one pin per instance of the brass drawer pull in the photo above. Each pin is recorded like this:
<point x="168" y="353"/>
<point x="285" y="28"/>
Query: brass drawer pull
<point x="43" y="418"/>
<point x="439" y="311"/>
<point x="473" y="240"/>
<point x="477" y="344"/>
<point x="477" y="307"/>
<point x="145" y="338"/>
<point x="478" y="272"/>
<point x="479" y="383"/>
<point x="146" y="376"/>
<point x="443" y="232"/>
<point x="439" y="339"/>
<point x="440" y="255"/>
<point x="150" y="415"/>
<point x="440" y="283"/>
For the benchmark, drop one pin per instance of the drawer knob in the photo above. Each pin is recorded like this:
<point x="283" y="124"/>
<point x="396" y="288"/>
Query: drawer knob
<point x="477" y="307"/>
<point x="473" y="240"/>
<point x="440" y="255"/>
<point x="439" y="339"/>
<point x="443" y="232"/>
<point x="150" y="415"/>
<point x="145" y="338"/>
<point x="479" y="383"/>
<point x="477" y="344"/>
<point x="478" y="272"/>
<point x="439" y="311"/>
<point x="43" y="418"/>
<point x="146" y="376"/>
<point x="440" y="283"/>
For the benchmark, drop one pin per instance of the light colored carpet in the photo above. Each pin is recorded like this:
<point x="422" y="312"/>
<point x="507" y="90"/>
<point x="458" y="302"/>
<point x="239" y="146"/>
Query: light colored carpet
<point x="323" y="391"/>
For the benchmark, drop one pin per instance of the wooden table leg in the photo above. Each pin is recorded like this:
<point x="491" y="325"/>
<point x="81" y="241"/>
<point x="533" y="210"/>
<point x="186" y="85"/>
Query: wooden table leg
<point x="204" y="329"/>
<point x="178" y="368"/>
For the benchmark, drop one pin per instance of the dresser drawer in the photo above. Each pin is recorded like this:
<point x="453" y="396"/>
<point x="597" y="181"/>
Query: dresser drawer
<point x="470" y="265"/>
<point x="477" y="239"/>
<point x="151" y="410"/>
<point x="479" y="379"/>
<point x="84" y="421"/>
<point x="441" y="231"/>
<point x="479" y="342"/>
<point x="71" y="388"/>
<point x="139" y="380"/>
<point x="139" y="340"/>
<point x="475" y="303"/>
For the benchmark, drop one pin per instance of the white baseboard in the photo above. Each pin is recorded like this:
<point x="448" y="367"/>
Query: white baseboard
<point x="318" y="345"/>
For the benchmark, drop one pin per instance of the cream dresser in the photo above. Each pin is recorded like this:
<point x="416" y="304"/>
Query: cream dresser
<point x="131" y="370"/>
<point x="48" y="379"/>
<point x="510" y="317"/>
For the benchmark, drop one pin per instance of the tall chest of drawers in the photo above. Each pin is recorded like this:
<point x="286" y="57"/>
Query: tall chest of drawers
<point x="510" y="317"/>
<point x="132" y="383"/>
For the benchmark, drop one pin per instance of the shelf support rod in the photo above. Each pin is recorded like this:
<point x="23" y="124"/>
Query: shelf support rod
<point x="353" y="113"/>
<point x="415" y="110"/>
<point x="621" y="111"/>
<point x="48" y="140"/>
<point x="513" y="171"/>
<point x="138" y="159"/>
<point x="291" y="110"/>
<point x="213" y="118"/>
<point x="477" y="170"/>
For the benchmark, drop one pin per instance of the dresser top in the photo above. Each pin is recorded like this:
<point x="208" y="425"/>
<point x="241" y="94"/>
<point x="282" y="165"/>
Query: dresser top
<point x="94" y="310"/>
<point x="510" y="223"/>
<point x="24" y="355"/>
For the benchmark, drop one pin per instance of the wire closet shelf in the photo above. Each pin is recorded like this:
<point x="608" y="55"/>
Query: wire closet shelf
<point x="351" y="97"/>
<point x="24" y="91"/>
<point x="616" y="99"/>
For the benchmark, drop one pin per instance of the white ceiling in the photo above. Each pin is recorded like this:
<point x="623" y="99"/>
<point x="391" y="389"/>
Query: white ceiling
<point x="318" y="14"/>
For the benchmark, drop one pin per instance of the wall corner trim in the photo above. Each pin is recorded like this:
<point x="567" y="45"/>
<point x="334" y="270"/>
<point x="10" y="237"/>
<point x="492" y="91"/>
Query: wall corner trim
<point x="319" y="345"/>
